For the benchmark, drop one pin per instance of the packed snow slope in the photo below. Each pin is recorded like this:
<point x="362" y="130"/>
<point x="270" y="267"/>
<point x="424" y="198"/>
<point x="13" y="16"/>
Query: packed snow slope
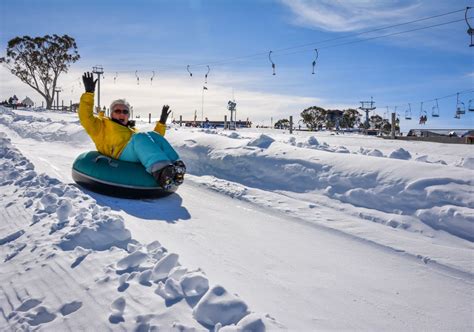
<point x="270" y="231"/>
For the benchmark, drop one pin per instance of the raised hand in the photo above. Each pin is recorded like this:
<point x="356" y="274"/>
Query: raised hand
<point x="164" y="114"/>
<point x="89" y="83"/>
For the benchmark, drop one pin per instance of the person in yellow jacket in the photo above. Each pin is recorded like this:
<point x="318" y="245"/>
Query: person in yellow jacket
<point x="118" y="138"/>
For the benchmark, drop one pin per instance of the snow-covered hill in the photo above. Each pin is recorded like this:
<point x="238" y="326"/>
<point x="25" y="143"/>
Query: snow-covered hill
<point x="270" y="231"/>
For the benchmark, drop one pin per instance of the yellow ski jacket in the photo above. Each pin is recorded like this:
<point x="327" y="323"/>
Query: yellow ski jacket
<point x="110" y="138"/>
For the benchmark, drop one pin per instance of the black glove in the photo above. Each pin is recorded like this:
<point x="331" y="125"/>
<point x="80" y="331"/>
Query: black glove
<point x="164" y="114"/>
<point x="89" y="82"/>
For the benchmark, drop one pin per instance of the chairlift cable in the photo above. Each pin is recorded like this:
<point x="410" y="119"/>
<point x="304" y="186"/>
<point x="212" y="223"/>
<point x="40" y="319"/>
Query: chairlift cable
<point x="338" y="38"/>
<point x="444" y="97"/>
<point x="381" y="36"/>
<point x="333" y="39"/>
<point x="395" y="33"/>
<point x="372" y="30"/>
<point x="230" y="60"/>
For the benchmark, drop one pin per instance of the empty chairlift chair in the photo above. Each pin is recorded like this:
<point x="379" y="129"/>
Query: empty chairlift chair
<point x="408" y="113"/>
<point x="470" y="30"/>
<point x="471" y="105"/>
<point x="460" y="107"/>
<point x="435" y="110"/>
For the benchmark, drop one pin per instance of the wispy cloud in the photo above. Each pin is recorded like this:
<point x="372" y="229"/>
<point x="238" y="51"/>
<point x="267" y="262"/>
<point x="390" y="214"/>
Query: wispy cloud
<point x="349" y="15"/>
<point x="365" y="15"/>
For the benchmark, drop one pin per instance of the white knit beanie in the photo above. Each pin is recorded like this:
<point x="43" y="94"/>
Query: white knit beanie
<point x="119" y="102"/>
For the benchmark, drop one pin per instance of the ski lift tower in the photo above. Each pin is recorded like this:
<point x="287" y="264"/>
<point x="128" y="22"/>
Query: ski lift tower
<point x="231" y="106"/>
<point x="99" y="71"/>
<point x="367" y="106"/>
<point x="57" y="90"/>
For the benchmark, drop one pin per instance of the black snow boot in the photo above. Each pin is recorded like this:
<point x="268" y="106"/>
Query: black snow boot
<point x="180" y="170"/>
<point x="165" y="177"/>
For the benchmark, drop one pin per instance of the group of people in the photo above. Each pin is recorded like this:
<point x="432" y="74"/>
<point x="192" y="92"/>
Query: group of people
<point x="11" y="102"/>
<point x="116" y="137"/>
<point x="423" y="119"/>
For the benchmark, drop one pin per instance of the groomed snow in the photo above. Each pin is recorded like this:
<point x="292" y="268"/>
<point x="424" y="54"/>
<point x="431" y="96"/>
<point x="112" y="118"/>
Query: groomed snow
<point x="270" y="231"/>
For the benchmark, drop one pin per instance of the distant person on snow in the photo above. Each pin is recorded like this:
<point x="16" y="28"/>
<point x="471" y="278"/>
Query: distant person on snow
<point x="14" y="102"/>
<point x="116" y="137"/>
<point x="207" y="124"/>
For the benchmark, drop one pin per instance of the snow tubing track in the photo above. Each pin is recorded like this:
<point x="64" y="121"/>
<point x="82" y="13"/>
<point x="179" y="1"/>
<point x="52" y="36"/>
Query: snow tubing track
<point x="113" y="177"/>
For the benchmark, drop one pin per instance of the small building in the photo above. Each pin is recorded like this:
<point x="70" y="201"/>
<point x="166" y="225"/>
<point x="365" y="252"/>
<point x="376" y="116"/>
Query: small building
<point x="27" y="102"/>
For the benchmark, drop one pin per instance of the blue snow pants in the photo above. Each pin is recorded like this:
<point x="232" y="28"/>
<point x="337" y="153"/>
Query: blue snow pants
<point x="150" y="149"/>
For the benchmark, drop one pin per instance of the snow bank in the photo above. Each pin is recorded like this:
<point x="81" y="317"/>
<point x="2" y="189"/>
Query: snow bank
<point x="467" y="162"/>
<point x="263" y="141"/>
<point x="400" y="154"/>
<point x="42" y="128"/>
<point x="218" y="306"/>
<point x="394" y="185"/>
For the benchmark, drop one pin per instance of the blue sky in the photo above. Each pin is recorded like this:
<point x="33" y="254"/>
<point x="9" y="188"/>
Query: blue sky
<point x="166" y="36"/>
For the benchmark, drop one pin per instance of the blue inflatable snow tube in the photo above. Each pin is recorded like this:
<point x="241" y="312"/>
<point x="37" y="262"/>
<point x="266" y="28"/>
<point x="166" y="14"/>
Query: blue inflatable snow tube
<point x="113" y="177"/>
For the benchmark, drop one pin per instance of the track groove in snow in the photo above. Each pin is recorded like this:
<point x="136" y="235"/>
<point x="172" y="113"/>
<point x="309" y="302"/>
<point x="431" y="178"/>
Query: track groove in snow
<point x="90" y="287"/>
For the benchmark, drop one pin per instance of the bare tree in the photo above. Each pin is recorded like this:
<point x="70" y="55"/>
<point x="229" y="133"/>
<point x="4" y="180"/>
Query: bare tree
<point x="39" y="61"/>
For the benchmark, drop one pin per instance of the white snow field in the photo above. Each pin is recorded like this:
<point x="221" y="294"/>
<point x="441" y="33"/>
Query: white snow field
<point x="270" y="231"/>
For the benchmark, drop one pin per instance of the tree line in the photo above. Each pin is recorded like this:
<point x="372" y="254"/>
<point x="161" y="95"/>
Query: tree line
<point x="317" y="118"/>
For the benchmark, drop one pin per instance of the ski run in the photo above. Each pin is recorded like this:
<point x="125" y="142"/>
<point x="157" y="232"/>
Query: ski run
<point x="270" y="231"/>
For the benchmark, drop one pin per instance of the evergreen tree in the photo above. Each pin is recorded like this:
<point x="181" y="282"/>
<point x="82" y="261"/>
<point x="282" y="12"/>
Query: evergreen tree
<point x="314" y="117"/>
<point x="282" y="124"/>
<point x="350" y="118"/>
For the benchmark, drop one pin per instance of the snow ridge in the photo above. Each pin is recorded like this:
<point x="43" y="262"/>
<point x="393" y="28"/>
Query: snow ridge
<point x="41" y="128"/>
<point x="390" y="186"/>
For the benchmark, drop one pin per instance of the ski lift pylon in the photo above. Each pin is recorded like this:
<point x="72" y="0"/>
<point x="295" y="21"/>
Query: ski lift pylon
<point x="316" y="58"/>
<point x="435" y="110"/>
<point x="470" y="30"/>
<point x="273" y="64"/>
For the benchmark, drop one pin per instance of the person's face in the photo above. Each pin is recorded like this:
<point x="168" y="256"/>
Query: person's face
<point x="121" y="113"/>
